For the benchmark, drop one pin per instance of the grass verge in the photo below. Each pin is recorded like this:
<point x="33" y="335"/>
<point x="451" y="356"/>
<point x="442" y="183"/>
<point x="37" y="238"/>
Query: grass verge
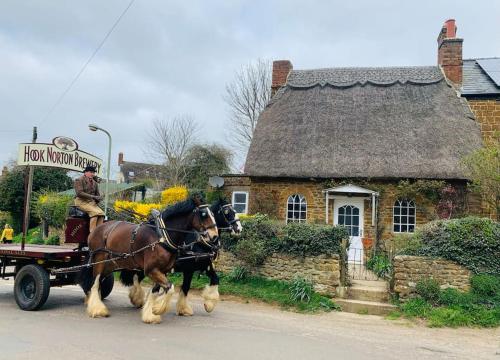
<point x="479" y="307"/>
<point x="269" y="291"/>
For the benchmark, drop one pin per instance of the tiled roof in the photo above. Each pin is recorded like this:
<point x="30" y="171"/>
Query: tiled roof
<point x="476" y="80"/>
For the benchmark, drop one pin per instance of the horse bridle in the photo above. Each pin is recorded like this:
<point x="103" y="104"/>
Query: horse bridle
<point x="223" y="213"/>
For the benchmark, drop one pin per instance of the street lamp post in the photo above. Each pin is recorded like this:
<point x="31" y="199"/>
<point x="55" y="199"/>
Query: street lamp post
<point x="94" y="127"/>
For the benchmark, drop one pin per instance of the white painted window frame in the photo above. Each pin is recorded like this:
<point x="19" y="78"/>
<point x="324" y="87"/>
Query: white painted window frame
<point x="246" y="200"/>
<point x="399" y="201"/>
<point x="302" y="199"/>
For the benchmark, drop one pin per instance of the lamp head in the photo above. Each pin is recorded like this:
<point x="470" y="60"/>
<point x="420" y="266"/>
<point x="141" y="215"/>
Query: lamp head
<point x="93" y="127"/>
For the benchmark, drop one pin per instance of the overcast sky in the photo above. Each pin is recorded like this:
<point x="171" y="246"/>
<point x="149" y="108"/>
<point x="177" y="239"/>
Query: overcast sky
<point x="167" y="58"/>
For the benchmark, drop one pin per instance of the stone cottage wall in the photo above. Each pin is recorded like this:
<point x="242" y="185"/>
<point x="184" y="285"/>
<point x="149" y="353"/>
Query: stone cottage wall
<point x="408" y="270"/>
<point x="323" y="270"/>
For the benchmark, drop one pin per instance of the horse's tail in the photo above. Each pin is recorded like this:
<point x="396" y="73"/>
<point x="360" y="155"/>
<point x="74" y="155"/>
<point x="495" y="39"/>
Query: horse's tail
<point x="86" y="278"/>
<point x="127" y="276"/>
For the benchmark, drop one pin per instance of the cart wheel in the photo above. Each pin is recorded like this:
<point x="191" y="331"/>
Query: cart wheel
<point x="107" y="285"/>
<point x="31" y="287"/>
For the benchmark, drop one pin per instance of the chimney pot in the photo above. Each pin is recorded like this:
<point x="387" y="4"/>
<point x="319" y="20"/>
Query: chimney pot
<point x="120" y="159"/>
<point x="451" y="29"/>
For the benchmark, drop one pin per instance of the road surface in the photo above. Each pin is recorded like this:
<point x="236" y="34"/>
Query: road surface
<point x="235" y="330"/>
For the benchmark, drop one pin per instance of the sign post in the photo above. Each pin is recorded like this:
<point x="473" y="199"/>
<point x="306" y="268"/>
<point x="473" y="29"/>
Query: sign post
<point x="27" y="198"/>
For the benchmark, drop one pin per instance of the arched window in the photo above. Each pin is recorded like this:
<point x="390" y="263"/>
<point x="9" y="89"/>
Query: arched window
<point x="296" y="208"/>
<point x="404" y="216"/>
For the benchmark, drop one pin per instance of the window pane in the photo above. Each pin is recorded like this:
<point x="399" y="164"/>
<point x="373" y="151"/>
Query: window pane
<point x="397" y="228"/>
<point x="397" y="211"/>
<point x="240" y="198"/>
<point x="290" y="206"/>
<point x="404" y="228"/>
<point x="411" y="211"/>
<point x="341" y="220"/>
<point x="397" y="219"/>
<point x="411" y="228"/>
<point x="303" y="207"/>
<point x="348" y="210"/>
<point x="355" y="211"/>
<point x="302" y="215"/>
<point x="355" y="220"/>
<point x="348" y="220"/>
<point x="355" y="231"/>
<point x="404" y="211"/>
<point x="341" y="211"/>
<point x="290" y="215"/>
<point x="411" y="220"/>
<point x="239" y="208"/>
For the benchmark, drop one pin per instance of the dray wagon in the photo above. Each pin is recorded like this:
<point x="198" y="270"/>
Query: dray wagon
<point x="37" y="268"/>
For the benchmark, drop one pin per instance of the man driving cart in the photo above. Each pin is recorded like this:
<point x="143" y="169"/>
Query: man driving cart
<point x="88" y="197"/>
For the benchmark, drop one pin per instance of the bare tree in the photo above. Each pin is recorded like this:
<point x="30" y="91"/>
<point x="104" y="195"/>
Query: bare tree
<point x="247" y="95"/>
<point x="169" y="141"/>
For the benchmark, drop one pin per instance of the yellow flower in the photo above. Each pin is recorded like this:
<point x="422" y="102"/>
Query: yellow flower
<point x="174" y="194"/>
<point x="42" y="199"/>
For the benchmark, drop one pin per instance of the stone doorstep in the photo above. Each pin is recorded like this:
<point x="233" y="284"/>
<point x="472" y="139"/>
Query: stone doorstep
<point x="365" y="307"/>
<point x="368" y="294"/>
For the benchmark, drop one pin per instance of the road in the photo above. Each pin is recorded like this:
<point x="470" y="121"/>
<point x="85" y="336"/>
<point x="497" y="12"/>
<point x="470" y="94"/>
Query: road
<point x="235" y="330"/>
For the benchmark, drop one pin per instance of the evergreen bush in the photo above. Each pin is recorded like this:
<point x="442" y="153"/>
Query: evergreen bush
<point x="471" y="242"/>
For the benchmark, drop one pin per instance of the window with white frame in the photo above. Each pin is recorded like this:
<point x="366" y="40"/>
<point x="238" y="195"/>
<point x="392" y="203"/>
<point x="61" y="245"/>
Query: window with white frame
<point x="240" y="202"/>
<point x="404" y="215"/>
<point x="296" y="208"/>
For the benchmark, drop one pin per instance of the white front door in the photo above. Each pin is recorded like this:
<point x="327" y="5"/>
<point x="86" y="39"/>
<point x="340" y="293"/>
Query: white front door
<point x="349" y="213"/>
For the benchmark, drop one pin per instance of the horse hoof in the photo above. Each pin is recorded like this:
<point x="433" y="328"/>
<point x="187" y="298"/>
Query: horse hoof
<point x="209" y="306"/>
<point x="154" y="319"/>
<point x="99" y="313"/>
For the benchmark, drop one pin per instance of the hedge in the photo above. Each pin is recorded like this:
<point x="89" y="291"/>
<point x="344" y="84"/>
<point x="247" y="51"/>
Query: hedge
<point x="472" y="242"/>
<point x="261" y="237"/>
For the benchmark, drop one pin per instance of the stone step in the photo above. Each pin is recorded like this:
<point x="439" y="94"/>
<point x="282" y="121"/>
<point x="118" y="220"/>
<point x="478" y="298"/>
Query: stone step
<point x="367" y="294"/>
<point x="365" y="307"/>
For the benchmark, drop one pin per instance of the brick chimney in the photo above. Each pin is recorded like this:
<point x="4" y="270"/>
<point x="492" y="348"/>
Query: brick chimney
<point x="120" y="159"/>
<point x="5" y="171"/>
<point x="281" y="69"/>
<point x="450" y="52"/>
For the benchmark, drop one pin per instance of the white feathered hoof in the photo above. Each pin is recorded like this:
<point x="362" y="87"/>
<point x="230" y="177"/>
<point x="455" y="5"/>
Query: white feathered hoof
<point x="147" y="310"/>
<point x="136" y="293"/>
<point x="183" y="307"/>
<point x="95" y="306"/>
<point x="211" y="296"/>
<point x="161" y="304"/>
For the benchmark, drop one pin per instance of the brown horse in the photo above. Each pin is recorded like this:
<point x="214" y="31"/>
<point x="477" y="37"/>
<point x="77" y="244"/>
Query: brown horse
<point x="140" y="247"/>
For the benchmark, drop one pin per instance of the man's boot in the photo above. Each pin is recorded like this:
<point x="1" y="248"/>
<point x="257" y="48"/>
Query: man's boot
<point x="93" y="223"/>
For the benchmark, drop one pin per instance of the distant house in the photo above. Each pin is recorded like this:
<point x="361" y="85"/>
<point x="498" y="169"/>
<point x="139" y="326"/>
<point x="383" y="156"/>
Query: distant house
<point x="344" y="145"/>
<point x="151" y="175"/>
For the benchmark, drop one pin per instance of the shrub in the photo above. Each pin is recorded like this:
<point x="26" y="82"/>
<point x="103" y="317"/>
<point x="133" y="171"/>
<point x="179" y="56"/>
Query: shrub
<point x="428" y="289"/>
<point x="485" y="285"/>
<point x="301" y="289"/>
<point x="53" y="240"/>
<point x="380" y="265"/>
<point x="174" y="194"/>
<point x="310" y="239"/>
<point x="252" y="252"/>
<point x="5" y="218"/>
<point x="472" y="242"/>
<point x="52" y="208"/>
<point x="262" y="237"/>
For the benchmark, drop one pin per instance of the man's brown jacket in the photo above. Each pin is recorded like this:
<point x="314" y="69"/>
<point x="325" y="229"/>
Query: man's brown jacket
<point x="87" y="189"/>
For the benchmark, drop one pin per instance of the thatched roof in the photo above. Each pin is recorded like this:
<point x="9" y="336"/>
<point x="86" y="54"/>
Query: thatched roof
<point x="364" y="122"/>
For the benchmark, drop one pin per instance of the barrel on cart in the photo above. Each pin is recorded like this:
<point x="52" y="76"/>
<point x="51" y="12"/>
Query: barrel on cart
<point x="34" y="267"/>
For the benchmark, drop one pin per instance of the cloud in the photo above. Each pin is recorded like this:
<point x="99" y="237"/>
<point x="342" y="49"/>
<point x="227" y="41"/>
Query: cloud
<point x="175" y="57"/>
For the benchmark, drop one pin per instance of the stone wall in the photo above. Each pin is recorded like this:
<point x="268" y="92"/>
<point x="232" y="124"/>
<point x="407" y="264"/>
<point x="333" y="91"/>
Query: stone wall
<point x="323" y="270"/>
<point x="408" y="270"/>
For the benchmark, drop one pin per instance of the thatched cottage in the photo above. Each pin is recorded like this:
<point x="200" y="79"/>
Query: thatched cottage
<point x="375" y="149"/>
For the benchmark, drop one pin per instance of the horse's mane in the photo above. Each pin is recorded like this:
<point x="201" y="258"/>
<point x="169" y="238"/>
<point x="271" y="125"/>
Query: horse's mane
<point x="216" y="205"/>
<point x="179" y="208"/>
